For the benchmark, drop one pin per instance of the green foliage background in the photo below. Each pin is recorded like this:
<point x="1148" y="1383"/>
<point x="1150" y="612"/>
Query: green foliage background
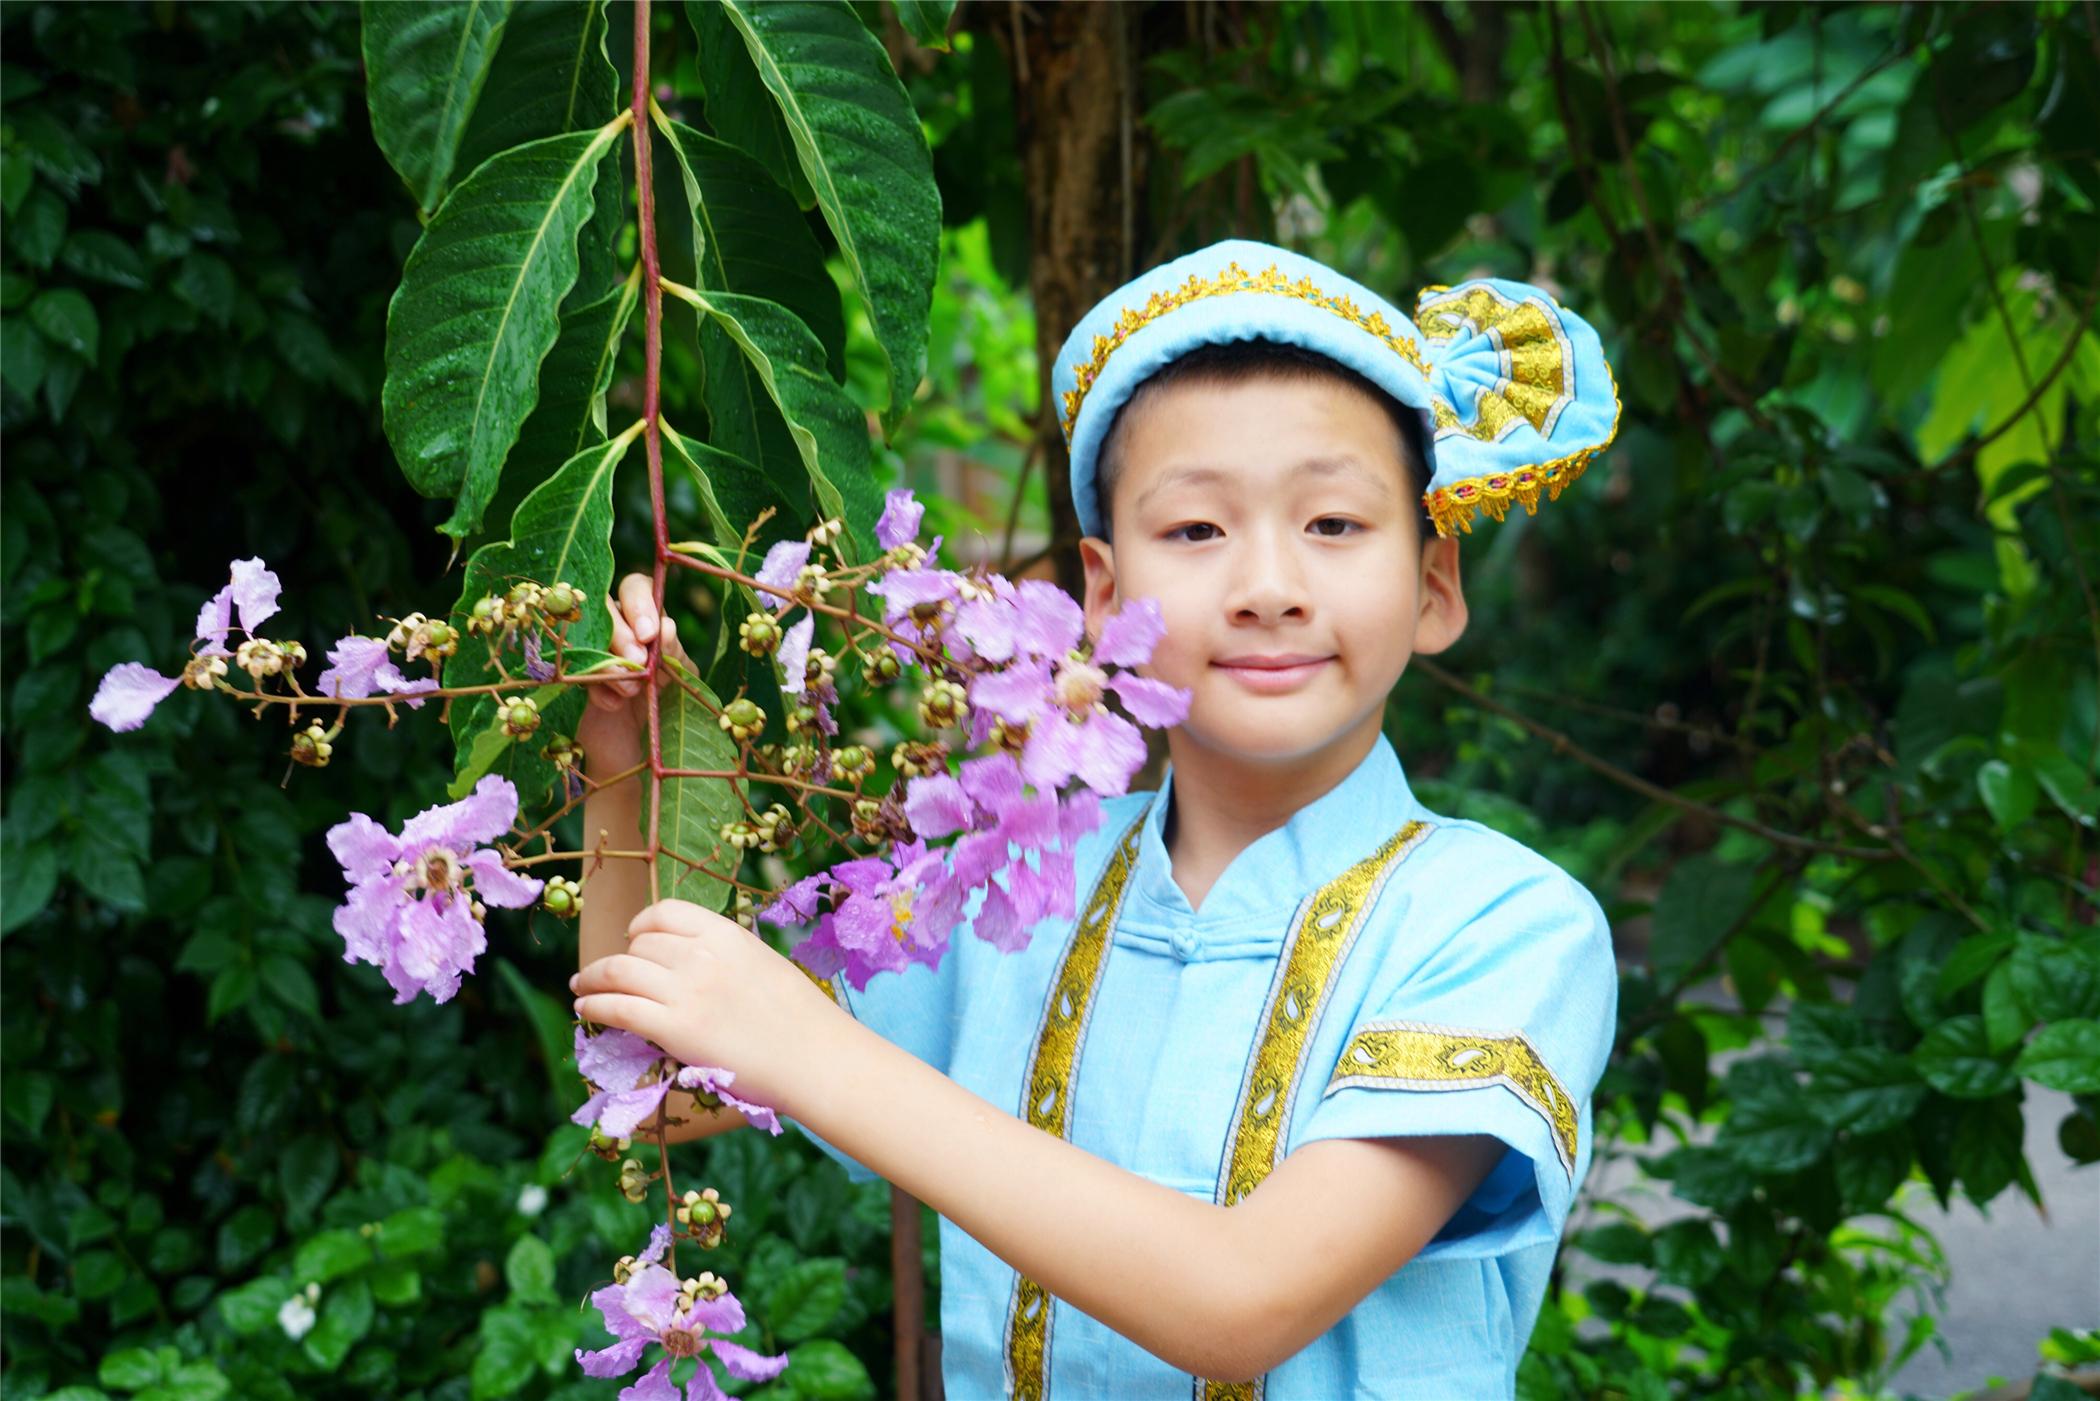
<point x="1800" y="679"/>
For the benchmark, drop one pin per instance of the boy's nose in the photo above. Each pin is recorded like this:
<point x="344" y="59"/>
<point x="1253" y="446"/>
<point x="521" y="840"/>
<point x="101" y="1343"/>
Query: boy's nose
<point x="1268" y="585"/>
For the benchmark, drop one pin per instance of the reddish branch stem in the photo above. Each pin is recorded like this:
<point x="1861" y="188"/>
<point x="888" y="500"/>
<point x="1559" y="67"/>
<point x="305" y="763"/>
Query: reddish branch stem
<point x="652" y="416"/>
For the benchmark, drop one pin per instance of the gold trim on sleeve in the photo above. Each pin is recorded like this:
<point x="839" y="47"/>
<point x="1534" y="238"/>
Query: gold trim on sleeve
<point x="1234" y="278"/>
<point x="1052" y="1063"/>
<point x="830" y="985"/>
<point x="1391" y="1055"/>
<point x="1314" y="950"/>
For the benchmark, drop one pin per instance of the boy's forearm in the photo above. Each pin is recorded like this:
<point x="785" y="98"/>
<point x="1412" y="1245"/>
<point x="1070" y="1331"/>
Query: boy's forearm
<point x="1160" y="1267"/>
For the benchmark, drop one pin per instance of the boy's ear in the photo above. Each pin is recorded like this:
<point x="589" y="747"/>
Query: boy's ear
<point x="1443" y="599"/>
<point x="1099" y="558"/>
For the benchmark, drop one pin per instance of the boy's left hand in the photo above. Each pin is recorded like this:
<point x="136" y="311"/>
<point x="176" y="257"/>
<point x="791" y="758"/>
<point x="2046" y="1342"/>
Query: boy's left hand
<point x="709" y="992"/>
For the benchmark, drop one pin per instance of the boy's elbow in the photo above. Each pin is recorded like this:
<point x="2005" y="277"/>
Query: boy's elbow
<point x="1234" y="1333"/>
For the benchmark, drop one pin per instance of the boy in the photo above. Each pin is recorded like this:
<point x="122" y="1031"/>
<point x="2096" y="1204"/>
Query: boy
<point x="1298" y="1105"/>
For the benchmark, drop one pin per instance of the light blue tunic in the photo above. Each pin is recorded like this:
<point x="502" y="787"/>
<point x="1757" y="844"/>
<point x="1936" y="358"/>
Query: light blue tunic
<point x="1370" y="969"/>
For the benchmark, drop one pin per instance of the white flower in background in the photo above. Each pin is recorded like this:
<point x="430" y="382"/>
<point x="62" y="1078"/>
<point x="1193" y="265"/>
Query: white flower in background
<point x="296" y="1314"/>
<point x="532" y="1200"/>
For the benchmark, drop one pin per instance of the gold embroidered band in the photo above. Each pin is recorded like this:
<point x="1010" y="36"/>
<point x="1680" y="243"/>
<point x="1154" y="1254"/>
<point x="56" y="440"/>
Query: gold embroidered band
<point x="1053" y="1063"/>
<point x="1388" y="1055"/>
<point x="1234" y="278"/>
<point x="830" y="985"/>
<point x="1313" y="952"/>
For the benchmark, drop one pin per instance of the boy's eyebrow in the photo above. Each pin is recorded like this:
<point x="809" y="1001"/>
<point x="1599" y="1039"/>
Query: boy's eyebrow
<point x="1343" y="465"/>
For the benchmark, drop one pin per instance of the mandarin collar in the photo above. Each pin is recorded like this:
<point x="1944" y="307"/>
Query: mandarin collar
<point x="1255" y="895"/>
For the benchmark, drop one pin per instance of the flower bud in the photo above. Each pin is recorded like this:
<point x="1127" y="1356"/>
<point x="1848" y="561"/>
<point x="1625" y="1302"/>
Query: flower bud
<point x="563" y="603"/>
<point x="608" y="1148"/>
<point x="917" y="759"/>
<point x="825" y="532"/>
<point x="758" y="634"/>
<point x="944" y="703"/>
<point x="882" y="668"/>
<point x="820" y="667"/>
<point x="564" y="753"/>
<point x="520" y="716"/>
<point x="634" y="1180"/>
<point x="525" y="597"/>
<point x="310" y="746"/>
<point x="741" y="835"/>
<point x="1010" y="735"/>
<point x="868" y="821"/>
<point x="909" y="555"/>
<point x="802" y="720"/>
<point x="814" y="581"/>
<point x="202" y="673"/>
<point x="562" y="898"/>
<point x="293" y="654"/>
<point x="259" y="657"/>
<point x="435" y="638"/>
<point x="746" y="909"/>
<point x="397" y="639"/>
<point x="488" y="617"/>
<point x="776" y="828"/>
<point x="796" y="760"/>
<point x="853" y="762"/>
<point x="623" y="1269"/>
<point x="742" y="718"/>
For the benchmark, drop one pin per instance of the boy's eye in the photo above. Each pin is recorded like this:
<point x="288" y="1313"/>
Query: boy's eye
<point x="1333" y="525"/>
<point x="1193" y="531"/>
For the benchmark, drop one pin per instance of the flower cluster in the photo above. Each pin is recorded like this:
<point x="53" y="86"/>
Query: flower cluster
<point x="416" y="901"/>
<point x="1010" y="668"/>
<point x="646" y="1303"/>
<point x="129" y="690"/>
<point x="629" y="1079"/>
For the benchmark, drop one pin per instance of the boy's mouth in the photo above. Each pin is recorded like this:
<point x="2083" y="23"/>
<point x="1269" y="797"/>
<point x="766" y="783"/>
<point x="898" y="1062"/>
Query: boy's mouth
<point x="1273" y="675"/>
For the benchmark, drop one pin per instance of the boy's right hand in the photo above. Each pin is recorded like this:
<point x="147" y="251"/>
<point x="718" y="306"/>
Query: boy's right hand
<point x="614" y="730"/>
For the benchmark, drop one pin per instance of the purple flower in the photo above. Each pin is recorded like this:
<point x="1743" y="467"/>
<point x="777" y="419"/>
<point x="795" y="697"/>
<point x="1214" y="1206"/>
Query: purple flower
<point x="651" y="1307"/>
<point x="779" y="570"/>
<point x="794" y="655"/>
<point x="414" y="908"/>
<point x="901" y="515"/>
<point x="630" y="1077"/>
<point x="361" y="666"/>
<point x="129" y="690"/>
<point x="536" y="667"/>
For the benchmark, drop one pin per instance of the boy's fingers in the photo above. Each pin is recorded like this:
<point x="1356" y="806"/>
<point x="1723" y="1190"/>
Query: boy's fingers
<point x="636" y="1014"/>
<point x="627" y="973"/>
<point x="638" y="600"/>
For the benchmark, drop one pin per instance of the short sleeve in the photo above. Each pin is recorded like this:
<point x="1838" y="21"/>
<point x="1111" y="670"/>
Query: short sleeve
<point x="914" y="1009"/>
<point x="1503" y="1031"/>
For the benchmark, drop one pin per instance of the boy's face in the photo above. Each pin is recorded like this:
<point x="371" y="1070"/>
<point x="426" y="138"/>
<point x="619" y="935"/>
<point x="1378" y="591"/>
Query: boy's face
<point x="1272" y="519"/>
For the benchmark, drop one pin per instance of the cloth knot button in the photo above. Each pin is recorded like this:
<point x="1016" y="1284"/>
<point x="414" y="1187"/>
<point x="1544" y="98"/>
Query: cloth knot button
<point x="1184" y="946"/>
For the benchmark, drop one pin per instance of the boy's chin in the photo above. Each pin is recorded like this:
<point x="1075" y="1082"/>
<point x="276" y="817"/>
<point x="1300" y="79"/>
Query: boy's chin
<point x="1273" y="739"/>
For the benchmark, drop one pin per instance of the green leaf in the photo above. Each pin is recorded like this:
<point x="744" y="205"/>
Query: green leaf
<point x="927" y="21"/>
<point x="1702" y="899"/>
<point x="738" y="106"/>
<point x="192" y="1381"/>
<point x="562" y="532"/>
<point x="494" y="743"/>
<point x="67" y="318"/>
<point x="2056" y="981"/>
<point x="415" y="1230"/>
<point x="529" y="1270"/>
<point x="828" y="430"/>
<point x="129" y="1370"/>
<point x="825" y="1370"/>
<point x="694" y="809"/>
<point x="1956" y="1059"/>
<point x="2009" y="792"/>
<point x="425" y="66"/>
<point x="396" y="1282"/>
<point x="731" y="491"/>
<point x="859" y="144"/>
<point x="551" y="1024"/>
<point x="305" y="1171"/>
<point x="570" y="414"/>
<point x="1865" y="1090"/>
<point x="36" y="234"/>
<point x="98" y="1274"/>
<point x="2064" y="1056"/>
<point x="207" y="283"/>
<point x="103" y="257"/>
<point x="253" y="1306"/>
<point x="749" y="238"/>
<point x="330" y="1255"/>
<point x="478" y="310"/>
<point x="2005" y="1019"/>
<point x="549" y="76"/>
<point x="24" y="356"/>
<point x="28" y="1096"/>
<point x="806" y="1296"/>
<point x="288" y="981"/>
<point x="504" y="1358"/>
<point x="346" y="1316"/>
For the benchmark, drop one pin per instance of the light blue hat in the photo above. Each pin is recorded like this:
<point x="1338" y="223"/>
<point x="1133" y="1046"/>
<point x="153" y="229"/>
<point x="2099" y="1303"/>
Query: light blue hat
<point x="1513" y="389"/>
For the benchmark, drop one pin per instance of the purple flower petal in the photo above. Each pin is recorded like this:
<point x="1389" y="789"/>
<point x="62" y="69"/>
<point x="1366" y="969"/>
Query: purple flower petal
<point x="1111" y="751"/>
<point x="652" y="1297"/>
<point x="615" y="1361"/>
<point x="1051" y="624"/>
<point x="703" y="1386"/>
<point x="1017" y="694"/>
<point x="481" y="816"/>
<point x="624" y="1111"/>
<point x="794" y="656"/>
<point x="901" y="515"/>
<point x="977" y="857"/>
<point x="722" y="1314"/>
<point x="993" y="782"/>
<point x="254" y="590"/>
<point x="128" y="693"/>
<point x="653" y="1385"/>
<point x="747" y="1364"/>
<point x="440" y="939"/>
<point x="1079" y="815"/>
<point x="1127" y="638"/>
<point x="903" y="589"/>
<point x="779" y="571"/>
<point x="936" y="806"/>
<point x="214" y="619"/>
<point x="496" y="884"/>
<point x="1030" y="823"/>
<point x="365" y="849"/>
<point x="795" y="905"/>
<point x="1051" y="756"/>
<point x="1151" y="702"/>
<point x="536" y="667"/>
<point x="820" y="952"/>
<point x="614" y="1059"/>
<point x="999" y="923"/>
<point x="611" y="1303"/>
<point x="353" y="667"/>
<point x="366" y="922"/>
<point x="659" y="1242"/>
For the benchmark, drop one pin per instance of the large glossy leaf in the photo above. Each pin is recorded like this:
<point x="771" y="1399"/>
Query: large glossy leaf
<point x="478" y="309"/>
<point x="561" y="533"/>
<point x="826" y="427"/>
<point x="749" y="237"/>
<point x="425" y="68"/>
<point x="859" y="144"/>
<point x="738" y="106"/>
<point x="552" y="75"/>
<point x="570" y="414"/>
<point x="694" y="809"/>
